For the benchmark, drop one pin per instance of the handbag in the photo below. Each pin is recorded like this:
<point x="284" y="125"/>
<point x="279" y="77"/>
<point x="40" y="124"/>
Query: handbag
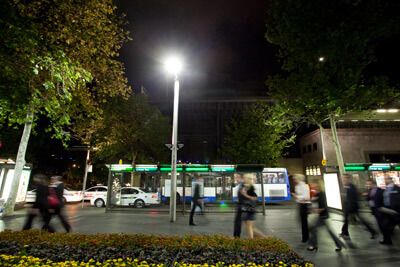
<point x="52" y="199"/>
<point x="249" y="205"/>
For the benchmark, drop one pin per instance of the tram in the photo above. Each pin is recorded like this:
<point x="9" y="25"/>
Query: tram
<point x="217" y="182"/>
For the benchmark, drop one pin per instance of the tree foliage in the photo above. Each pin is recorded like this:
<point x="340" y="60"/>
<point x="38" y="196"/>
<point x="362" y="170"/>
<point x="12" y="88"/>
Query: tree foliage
<point x="131" y="129"/>
<point x="260" y="136"/>
<point x="58" y="59"/>
<point x="325" y="49"/>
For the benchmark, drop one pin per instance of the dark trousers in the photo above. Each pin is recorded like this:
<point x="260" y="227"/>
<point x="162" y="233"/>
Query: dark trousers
<point x="378" y="217"/>
<point x="304" y="222"/>
<point x="389" y="222"/>
<point x="345" y="228"/>
<point x="45" y="216"/>
<point x="58" y="212"/>
<point x="195" y="204"/>
<point x="237" y="224"/>
<point x="321" y="221"/>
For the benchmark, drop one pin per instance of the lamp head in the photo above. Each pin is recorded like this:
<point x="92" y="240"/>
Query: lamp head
<point x="173" y="65"/>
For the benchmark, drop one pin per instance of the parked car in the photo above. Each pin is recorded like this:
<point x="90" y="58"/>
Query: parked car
<point x="98" y="190"/>
<point x="129" y="196"/>
<point x="69" y="195"/>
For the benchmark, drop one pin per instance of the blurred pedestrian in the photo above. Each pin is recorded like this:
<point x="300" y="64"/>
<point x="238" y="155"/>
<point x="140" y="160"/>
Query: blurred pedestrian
<point x="374" y="195"/>
<point x="196" y="200"/>
<point x="249" y="208"/>
<point x="237" y="224"/>
<point x="302" y="195"/>
<point x="351" y="207"/>
<point x="321" y="220"/>
<point x="40" y="205"/>
<point x="390" y="208"/>
<point x="56" y="204"/>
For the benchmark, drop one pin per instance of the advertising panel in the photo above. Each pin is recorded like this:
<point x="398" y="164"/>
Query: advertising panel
<point x="332" y="190"/>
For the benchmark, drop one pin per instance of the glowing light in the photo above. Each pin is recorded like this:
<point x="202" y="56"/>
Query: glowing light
<point x="173" y="65"/>
<point x="381" y="110"/>
<point x="321" y="59"/>
<point x="393" y="110"/>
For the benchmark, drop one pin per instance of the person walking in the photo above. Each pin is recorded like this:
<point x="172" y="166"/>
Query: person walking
<point x="302" y="195"/>
<point x="40" y="206"/>
<point x="196" y="200"/>
<point x="390" y="208"/>
<point x="374" y="195"/>
<point x="321" y="220"/>
<point x="248" y="208"/>
<point x="56" y="190"/>
<point x="237" y="224"/>
<point x="351" y="207"/>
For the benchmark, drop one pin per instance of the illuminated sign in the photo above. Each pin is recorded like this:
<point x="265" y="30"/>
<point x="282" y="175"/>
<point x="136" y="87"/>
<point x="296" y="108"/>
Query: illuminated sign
<point x="167" y="168"/>
<point x="354" y="168"/>
<point x="146" y="168"/>
<point x="222" y="168"/>
<point x="379" y="167"/>
<point x="354" y="164"/>
<point x="397" y="168"/>
<point x="121" y="167"/>
<point x="332" y="190"/>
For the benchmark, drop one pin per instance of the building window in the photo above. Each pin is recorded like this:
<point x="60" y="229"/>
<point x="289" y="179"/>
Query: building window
<point x="315" y="146"/>
<point x="304" y="149"/>
<point x="309" y="148"/>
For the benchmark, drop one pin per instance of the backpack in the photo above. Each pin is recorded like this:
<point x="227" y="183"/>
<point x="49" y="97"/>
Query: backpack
<point x="52" y="199"/>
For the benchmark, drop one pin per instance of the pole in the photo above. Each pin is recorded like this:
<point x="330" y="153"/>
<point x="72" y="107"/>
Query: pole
<point x="172" y="203"/>
<point x="85" y="177"/>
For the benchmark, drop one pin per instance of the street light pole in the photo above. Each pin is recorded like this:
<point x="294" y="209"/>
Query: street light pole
<point x="172" y="207"/>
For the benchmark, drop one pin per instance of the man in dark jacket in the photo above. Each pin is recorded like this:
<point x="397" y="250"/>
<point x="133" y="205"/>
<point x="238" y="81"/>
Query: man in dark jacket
<point x="196" y="200"/>
<point x="40" y="205"/>
<point x="373" y="197"/>
<point x="351" y="207"/>
<point x="390" y="208"/>
<point x="57" y="187"/>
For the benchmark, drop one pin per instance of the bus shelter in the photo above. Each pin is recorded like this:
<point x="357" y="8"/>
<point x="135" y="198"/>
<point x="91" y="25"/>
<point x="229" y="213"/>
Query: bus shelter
<point x="218" y="185"/>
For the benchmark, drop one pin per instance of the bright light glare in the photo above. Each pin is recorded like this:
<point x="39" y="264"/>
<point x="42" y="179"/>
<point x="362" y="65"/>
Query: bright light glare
<point x="173" y="65"/>
<point x="393" y="110"/>
<point x="381" y="110"/>
<point x="321" y="59"/>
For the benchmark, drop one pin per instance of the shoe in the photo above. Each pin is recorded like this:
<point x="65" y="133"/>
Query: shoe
<point x="311" y="248"/>
<point x="192" y="224"/>
<point x="385" y="243"/>
<point x="340" y="249"/>
<point x="304" y="240"/>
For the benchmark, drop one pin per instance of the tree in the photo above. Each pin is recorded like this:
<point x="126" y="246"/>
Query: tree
<point x="259" y="136"/>
<point x="131" y="129"/>
<point x="56" y="61"/>
<point x="326" y="48"/>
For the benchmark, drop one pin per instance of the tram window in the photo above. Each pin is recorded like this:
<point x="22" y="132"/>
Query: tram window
<point x="281" y="178"/>
<point x="209" y="182"/>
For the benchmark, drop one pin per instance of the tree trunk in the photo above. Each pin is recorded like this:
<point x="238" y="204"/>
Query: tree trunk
<point x="336" y="144"/>
<point x="19" y="165"/>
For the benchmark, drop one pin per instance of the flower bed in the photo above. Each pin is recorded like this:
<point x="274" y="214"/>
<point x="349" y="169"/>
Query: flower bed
<point x="142" y="250"/>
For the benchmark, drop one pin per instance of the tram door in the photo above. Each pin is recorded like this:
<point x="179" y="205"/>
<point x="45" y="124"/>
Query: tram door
<point x="223" y="185"/>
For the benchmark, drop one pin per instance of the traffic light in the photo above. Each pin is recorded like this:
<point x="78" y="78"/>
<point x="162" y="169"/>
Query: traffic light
<point x="89" y="163"/>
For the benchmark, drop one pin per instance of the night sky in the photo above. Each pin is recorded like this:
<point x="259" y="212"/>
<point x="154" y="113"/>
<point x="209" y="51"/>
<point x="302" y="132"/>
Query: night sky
<point x="221" y="42"/>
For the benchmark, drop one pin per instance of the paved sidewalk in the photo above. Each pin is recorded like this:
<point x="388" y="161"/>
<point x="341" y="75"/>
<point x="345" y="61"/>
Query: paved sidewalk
<point x="280" y="221"/>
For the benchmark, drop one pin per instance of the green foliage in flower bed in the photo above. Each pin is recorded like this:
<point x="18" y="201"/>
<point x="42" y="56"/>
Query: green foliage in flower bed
<point x="153" y="249"/>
